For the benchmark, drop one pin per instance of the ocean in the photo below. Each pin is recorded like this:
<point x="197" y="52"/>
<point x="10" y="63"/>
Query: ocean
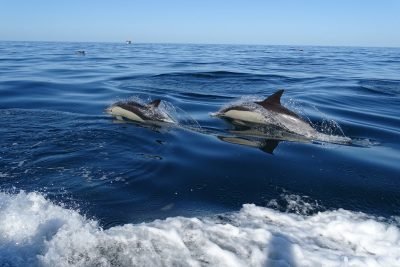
<point x="80" y="188"/>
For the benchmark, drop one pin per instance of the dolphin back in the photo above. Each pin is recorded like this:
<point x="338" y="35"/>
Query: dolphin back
<point x="274" y="99"/>
<point x="273" y="103"/>
<point x="154" y="103"/>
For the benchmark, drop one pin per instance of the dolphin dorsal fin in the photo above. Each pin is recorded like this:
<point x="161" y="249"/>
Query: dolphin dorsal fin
<point x="275" y="98"/>
<point x="154" y="103"/>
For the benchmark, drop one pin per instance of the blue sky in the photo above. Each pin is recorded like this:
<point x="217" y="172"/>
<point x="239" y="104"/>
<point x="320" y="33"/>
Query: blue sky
<point x="301" y="22"/>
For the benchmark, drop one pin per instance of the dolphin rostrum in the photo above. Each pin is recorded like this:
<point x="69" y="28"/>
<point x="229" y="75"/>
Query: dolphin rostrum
<point x="270" y="112"/>
<point x="137" y="112"/>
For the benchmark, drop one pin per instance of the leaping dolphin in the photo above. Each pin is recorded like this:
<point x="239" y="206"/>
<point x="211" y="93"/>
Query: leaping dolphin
<point x="137" y="112"/>
<point x="270" y="112"/>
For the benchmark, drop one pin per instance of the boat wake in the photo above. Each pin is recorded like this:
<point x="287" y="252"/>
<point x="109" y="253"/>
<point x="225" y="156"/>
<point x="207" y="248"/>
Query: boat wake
<point x="37" y="232"/>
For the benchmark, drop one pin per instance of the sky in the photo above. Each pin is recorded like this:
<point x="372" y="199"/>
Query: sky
<point x="274" y="22"/>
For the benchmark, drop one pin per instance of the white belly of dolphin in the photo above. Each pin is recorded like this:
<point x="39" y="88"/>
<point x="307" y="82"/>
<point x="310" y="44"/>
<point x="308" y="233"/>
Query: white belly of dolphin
<point x="120" y="112"/>
<point x="245" y="116"/>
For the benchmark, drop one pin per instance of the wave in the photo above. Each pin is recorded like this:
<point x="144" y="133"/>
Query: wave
<point x="380" y="86"/>
<point x="220" y="74"/>
<point x="37" y="232"/>
<point x="195" y="74"/>
<point x="193" y="95"/>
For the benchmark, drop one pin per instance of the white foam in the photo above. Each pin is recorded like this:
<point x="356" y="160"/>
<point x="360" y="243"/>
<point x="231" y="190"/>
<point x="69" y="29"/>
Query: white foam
<point x="36" y="232"/>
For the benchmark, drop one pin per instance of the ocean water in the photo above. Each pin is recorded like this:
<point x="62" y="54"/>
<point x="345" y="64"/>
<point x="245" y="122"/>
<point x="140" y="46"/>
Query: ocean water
<point x="79" y="188"/>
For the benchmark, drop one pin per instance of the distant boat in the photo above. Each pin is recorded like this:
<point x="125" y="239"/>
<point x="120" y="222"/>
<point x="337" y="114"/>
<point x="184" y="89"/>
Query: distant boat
<point x="128" y="42"/>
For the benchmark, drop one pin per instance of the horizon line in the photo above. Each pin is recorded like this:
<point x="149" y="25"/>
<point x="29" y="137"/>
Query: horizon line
<point x="200" y="43"/>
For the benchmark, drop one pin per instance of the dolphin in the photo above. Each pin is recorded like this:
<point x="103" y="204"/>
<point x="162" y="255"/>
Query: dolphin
<point x="270" y="112"/>
<point x="137" y="112"/>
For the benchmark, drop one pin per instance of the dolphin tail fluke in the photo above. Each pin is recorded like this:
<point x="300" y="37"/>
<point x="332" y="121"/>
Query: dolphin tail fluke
<point x="154" y="103"/>
<point x="275" y="98"/>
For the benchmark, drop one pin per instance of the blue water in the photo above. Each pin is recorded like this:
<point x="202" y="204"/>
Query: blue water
<point x="56" y="139"/>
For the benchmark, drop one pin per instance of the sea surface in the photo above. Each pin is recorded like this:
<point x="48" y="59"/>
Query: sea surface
<point x="80" y="188"/>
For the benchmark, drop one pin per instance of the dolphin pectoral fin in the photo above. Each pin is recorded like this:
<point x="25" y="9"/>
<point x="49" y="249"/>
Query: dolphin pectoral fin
<point x="274" y="99"/>
<point x="269" y="145"/>
<point x="119" y="118"/>
<point x="154" y="103"/>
